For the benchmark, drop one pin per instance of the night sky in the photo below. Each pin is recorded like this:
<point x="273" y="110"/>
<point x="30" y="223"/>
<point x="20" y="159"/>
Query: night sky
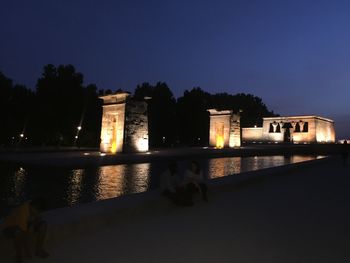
<point x="295" y="55"/>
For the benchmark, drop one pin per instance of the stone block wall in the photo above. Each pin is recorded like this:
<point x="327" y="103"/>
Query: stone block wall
<point x="235" y="131"/>
<point x="112" y="129"/>
<point x="124" y="124"/>
<point x="225" y="129"/>
<point x="252" y="134"/>
<point x="325" y="132"/>
<point x="136" y="127"/>
<point x="219" y="128"/>
<point x="302" y="129"/>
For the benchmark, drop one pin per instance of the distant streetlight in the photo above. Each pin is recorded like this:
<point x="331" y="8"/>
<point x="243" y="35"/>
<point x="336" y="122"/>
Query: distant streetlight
<point x="21" y="135"/>
<point x="77" y="135"/>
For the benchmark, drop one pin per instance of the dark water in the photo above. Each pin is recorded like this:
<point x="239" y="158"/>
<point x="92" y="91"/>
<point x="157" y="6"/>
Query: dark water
<point x="66" y="187"/>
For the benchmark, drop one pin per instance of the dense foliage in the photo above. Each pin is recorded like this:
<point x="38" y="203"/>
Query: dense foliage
<point x="51" y="115"/>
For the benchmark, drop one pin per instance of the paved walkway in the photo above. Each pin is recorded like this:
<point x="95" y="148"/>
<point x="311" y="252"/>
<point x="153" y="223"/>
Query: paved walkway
<point x="297" y="217"/>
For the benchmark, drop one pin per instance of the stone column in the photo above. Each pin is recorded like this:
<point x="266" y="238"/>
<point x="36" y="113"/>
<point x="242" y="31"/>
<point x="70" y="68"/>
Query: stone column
<point x="235" y="131"/>
<point x="274" y="125"/>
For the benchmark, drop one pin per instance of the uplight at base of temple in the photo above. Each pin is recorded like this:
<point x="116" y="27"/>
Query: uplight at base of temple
<point x="219" y="142"/>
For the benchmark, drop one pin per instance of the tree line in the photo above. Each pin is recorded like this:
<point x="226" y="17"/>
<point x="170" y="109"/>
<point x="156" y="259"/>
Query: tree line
<point x="63" y="111"/>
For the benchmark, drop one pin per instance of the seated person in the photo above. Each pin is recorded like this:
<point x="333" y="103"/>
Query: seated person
<point x="170" y="182"/>
<point x="23" y="221"/>
<point x="194" y="181"/>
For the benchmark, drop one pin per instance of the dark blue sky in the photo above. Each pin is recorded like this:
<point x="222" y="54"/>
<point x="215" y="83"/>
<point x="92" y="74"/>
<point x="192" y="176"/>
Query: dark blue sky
<point x="295" y="55"/>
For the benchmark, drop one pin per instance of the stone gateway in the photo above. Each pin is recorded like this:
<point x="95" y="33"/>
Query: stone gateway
<point x="224" y="129"/>
<point x="124" y="124"/>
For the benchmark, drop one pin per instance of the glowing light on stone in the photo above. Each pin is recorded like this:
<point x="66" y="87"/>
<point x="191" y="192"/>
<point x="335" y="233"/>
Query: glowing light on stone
<point x="142" y="145"/>
<point x="124" y="124"/>
<point x="105" y="138"/>
<point x="235" y="141"/>
<point x="219" y="141"/>
<point x="112" y="130"/>
<point x="302" y="129"/>
<point x="114" y="147"/>
<point x="224" y="129"/>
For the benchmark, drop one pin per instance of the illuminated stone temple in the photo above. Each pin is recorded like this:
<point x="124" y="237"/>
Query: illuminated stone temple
<point x="124" y="124"/>
<point x="224" y="130"/>
<point x="295" y="129"/>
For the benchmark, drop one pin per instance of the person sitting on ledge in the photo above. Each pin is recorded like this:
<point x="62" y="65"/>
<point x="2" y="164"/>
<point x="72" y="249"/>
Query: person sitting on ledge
<point x="194" y="181"/>
<point x="170" y="182"/>
<point x="21" y="224"/>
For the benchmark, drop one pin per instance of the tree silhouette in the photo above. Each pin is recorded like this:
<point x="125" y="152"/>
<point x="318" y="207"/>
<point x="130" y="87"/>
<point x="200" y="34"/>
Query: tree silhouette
<point x="5" y="95"/>
<point x="193" y="118"/>
<point x="15" y="109"/>
<point x="59" y="100"/>
<point x="252" y="108"/>
<point x="91" y="117"/>
<point x="61" y="103"/>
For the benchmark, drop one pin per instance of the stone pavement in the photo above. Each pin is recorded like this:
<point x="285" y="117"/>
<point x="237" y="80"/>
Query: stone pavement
<point x="301" y="216"/>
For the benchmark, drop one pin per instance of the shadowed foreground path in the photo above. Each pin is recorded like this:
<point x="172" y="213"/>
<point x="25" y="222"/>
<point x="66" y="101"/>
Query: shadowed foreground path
<point x="299" y="217"/>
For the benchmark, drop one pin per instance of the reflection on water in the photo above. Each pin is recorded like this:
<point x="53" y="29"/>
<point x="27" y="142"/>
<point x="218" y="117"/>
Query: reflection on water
<point x="139" y="178"/>
<point x="106" y="182"/>
<point x="224" y="166"/>
<point x="111" y="182"/>
<point x="233" y="165"/>
<point x="116" y="180"/>
<point x="74" y="186"/>
<point x="64" y="187"/>
<point x="18" y="182"/>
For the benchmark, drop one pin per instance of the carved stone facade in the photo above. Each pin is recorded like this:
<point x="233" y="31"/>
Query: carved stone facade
<point x="124" y="124"/>
<point x="224" y="129"/>
<point x="295" y="129"/>
<point x="136" y="127"/>
<point x="235" y="131"/>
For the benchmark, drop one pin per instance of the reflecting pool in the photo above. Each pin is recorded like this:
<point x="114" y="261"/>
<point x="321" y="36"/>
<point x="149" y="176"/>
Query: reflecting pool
<point x="67" y="187"/>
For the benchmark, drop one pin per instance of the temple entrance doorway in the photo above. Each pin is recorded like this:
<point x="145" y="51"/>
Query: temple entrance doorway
<point x="219" y="132"/>
<point x="287" y="135"/>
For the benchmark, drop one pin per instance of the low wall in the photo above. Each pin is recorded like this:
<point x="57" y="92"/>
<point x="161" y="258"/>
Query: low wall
<point x="69" y="221"/>
<point x="252" y="134"/>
